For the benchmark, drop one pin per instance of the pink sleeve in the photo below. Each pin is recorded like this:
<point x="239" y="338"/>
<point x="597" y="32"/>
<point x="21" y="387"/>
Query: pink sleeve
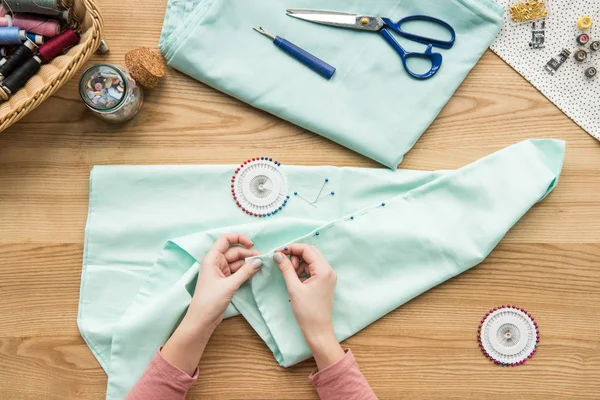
<point x="342" y="381"/>
<point x="162" y="381"/>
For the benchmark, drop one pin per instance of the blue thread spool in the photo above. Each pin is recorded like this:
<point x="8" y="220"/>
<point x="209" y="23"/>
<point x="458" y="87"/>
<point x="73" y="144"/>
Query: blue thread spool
<point x="37" y="39"/>
<point x="12" y="35"/>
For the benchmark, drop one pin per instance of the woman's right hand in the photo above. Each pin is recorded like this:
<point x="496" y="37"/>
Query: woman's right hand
<point x="311" y="281"/>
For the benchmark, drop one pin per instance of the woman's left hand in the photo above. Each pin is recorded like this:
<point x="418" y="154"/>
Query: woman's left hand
<point x="222" y="272"/>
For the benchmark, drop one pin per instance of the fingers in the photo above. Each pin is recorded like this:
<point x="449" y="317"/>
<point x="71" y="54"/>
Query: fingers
<point x="226" y="241"/>
<point x="295" y="261"/>
<point x="245" y="272"/>
<point x="305" y="251"/>
<point x="234" y="266"/>
<point x="302" y="269"/>
<point x="287" y="270"/>
<point x="239" y="253"/>
<point x="311" y="255"/>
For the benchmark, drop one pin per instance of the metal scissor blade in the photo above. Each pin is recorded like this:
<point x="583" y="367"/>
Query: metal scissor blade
<point x="339" y="19"/>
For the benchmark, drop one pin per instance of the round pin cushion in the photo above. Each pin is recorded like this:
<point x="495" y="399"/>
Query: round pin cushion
<point x="508" y="335"/>
<point x="259" y="187"/>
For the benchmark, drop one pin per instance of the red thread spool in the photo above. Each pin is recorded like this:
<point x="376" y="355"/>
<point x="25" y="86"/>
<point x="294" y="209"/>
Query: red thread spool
<point x="40" y="26"/>
<point x="58" y="44"/>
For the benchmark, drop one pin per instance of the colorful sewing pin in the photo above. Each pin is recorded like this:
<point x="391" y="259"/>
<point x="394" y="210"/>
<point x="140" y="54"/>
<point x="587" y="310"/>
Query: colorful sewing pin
<point x="508" y="335"/>
<point x="259" y="187"/>
<point x="312" y="62"/>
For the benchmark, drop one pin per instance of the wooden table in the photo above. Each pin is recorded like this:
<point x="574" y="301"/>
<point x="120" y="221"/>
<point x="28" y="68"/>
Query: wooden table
<point x="549" y="263"/>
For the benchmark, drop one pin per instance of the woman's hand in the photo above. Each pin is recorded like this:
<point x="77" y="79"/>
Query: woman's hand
<point x="311" y="281"/>
<point x="222" y="272"/>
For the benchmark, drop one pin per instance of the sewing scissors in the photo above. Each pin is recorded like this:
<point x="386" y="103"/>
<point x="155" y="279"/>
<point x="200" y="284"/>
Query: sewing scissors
<point x="383" y="26"/>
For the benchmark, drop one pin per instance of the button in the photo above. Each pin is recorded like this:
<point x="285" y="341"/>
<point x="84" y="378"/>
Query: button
<point x="583" y="39"/>
<point x="580" y="55"/>
<point x="591" y="72"/>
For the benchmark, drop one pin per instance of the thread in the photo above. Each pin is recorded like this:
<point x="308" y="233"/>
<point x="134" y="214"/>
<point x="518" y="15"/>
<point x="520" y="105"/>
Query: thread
<point x="18" y="78"/>
<point x="37" y="39"/>
<point x="11" y="35"/>
<point x="17" y="58"/>
<point x="41" y="26"/>
<point x="6" y="20"/>
<point x="46" y="7"/>
<point x="56" y="45"/>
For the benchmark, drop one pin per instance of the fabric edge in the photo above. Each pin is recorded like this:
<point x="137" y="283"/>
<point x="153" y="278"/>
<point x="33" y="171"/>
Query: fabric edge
<point x="80" y="324"/>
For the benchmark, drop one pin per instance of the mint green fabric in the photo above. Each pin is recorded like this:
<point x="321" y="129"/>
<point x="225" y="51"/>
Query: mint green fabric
<point x="149" y="226"/>
<point x="371" y="105"/>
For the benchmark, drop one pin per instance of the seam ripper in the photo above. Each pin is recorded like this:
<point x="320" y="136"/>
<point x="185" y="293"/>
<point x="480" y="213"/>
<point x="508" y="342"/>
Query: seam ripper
<point x="312" y="62"/>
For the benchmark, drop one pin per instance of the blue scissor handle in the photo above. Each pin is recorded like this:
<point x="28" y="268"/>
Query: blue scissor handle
<point x="443" y="44"/>
<point x="434" y="58"/>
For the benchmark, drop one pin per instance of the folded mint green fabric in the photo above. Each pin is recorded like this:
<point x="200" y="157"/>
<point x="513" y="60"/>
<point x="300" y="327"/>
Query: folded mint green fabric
<point x="371" y="105"/>
<point x="149" y="226"/>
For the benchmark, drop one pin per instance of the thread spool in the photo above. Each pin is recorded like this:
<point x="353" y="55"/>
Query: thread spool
<point x="17" y="58"/>
<point x="12" y="35"/>
<point x="18" y="78"/>
<point x="56" y="45"/>
<point x="41" y="26"/>
<point x="46" y="7"/>
<point x="37" y="39"/>
<point x="6" y="20"/>
<point x="3" y="53"/>
<point x="3" y="10"/>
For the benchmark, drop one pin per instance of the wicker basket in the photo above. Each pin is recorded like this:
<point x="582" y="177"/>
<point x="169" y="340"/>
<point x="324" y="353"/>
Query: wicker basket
<point x="86" y="17"/>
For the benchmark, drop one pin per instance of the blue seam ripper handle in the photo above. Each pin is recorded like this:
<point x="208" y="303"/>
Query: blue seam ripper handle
<point x="312" y="62"/>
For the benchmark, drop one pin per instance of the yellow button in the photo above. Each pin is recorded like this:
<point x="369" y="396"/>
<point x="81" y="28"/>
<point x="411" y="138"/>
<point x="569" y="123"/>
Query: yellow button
<point x="584" y="23"/>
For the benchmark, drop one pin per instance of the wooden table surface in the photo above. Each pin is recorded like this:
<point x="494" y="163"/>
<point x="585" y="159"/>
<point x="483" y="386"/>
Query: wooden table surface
<point x="549" y="263"/>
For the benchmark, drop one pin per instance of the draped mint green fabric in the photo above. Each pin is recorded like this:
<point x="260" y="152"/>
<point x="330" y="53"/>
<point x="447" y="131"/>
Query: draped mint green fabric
<point x="149" y="226"/>
<point x="371" y="105"/>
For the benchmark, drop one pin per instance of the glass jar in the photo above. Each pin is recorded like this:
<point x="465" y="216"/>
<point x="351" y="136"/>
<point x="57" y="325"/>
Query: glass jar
<point x="110" y="92"/>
